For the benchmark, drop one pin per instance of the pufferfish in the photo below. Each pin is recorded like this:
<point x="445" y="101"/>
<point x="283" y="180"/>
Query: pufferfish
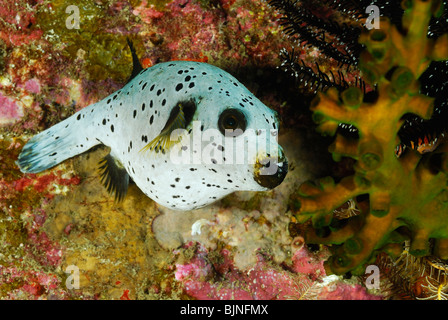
<point x="139" y="121"/>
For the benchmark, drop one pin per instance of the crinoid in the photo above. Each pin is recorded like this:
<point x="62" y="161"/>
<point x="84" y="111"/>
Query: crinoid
<point x="399" y="198"/>
<point x="411" y="277"/>
<point x="324" y="49"/>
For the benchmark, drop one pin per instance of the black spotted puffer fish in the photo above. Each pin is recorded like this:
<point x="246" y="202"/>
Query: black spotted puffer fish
<point x="177" y="130"/>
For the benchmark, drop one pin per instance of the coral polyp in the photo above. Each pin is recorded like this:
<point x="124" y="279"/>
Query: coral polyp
<point x="399" y="197"/>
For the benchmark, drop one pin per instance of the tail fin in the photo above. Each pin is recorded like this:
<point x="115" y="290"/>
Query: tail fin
<point x="56" y="144"/>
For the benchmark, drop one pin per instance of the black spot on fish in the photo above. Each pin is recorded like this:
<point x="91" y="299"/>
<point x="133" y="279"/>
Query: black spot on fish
<point x="187" y="78"/>
<point x="112" y="127"/>
<point x="78" y="117"/>
<point x="163" y="102"/>
<point x="179" y="87"/>
<point x="104" y="121"/>
<point x="151" y="119"/>
<point x="159" y="92"/>
<point x="143" y="107"/>
<point x="144" y="86"/>
<point x="152" y="87"/>
<point x="191" y="85"/>
<point x="135" y="113"/>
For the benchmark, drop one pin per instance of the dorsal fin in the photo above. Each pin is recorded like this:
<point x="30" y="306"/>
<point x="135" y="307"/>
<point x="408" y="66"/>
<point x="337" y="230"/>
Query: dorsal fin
<point x="136" y="65"/>
<point x="114" y="177"/>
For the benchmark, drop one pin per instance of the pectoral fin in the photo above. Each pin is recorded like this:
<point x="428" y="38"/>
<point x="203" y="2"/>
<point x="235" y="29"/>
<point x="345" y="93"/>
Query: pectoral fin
<point x="168" y="137"/>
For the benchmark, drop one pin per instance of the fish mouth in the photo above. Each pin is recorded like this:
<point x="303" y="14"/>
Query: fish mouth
<point x="271" y="171"/>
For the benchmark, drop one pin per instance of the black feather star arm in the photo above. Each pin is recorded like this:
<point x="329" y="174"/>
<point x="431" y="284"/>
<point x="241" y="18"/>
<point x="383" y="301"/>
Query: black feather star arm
<point x="352" y="8"/>
<point x="314" y="78"/>
<point x="312" y="30"/>
<point x="335" y="40"/>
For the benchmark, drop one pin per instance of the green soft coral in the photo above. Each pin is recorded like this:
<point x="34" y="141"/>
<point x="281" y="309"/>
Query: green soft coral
<point x="407" y="195"/>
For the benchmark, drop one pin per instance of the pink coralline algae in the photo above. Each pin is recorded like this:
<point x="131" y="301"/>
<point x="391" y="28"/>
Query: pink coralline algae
<point x="23" y="199"/>
<point x="147" y="13"/>
<point x="10" y="111"/>
<point x="32" y="86"/>
<point x="265" y="281"/>
<point x="33" y="284"/>
<point x="225" y="32"/>
<point x="15" y="25"/>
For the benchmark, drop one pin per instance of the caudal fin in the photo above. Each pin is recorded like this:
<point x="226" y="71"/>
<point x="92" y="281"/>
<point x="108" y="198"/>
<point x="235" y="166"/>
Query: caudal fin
<point x="54" y="145"/>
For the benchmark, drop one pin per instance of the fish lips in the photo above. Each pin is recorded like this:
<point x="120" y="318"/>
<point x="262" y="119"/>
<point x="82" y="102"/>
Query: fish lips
<point x="270" y="171"/>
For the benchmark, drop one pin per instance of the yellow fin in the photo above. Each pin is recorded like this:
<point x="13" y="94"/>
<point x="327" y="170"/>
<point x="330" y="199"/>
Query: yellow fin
<point x="164" y="141"/>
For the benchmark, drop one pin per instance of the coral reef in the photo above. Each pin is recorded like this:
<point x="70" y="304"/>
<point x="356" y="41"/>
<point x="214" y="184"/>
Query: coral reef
<point x="63" y="217"/>
<point x="399" y="197"/>
<point x="245" y="246"/>
<point x="265" y="281"/>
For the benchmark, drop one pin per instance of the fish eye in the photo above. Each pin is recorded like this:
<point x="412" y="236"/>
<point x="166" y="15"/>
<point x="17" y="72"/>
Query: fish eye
<point x="234" y="120"/>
